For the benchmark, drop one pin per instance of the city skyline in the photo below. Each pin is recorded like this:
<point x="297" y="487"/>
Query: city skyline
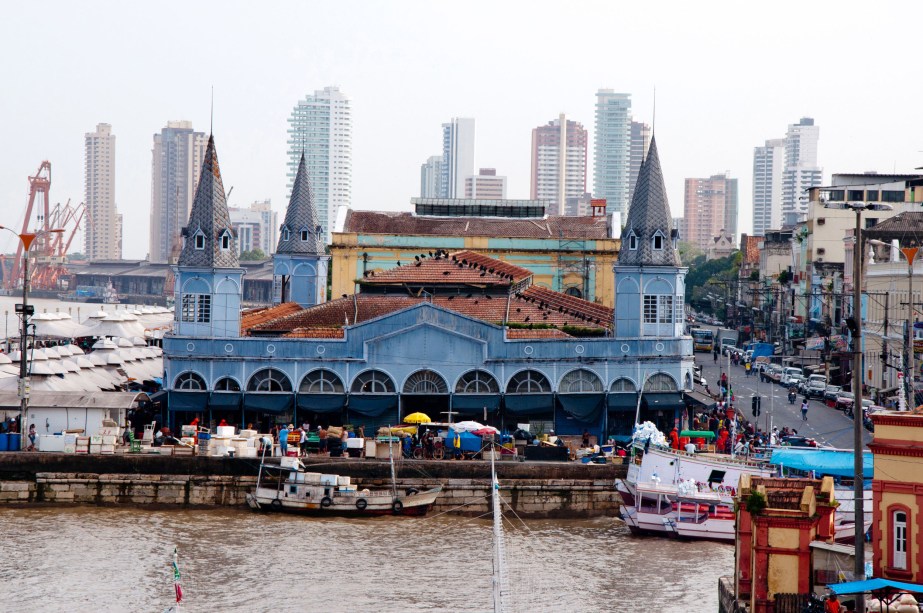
<point x="401" y="95"/>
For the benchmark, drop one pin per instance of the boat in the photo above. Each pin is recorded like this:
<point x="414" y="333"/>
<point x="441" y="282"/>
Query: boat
<point x="92" y="294"/>
<point x="671" y="492"/>
<point x="288" y="487"/>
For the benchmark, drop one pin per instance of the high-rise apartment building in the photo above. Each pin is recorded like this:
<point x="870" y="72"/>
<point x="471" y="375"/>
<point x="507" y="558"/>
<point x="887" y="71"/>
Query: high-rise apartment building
<point x="256" y="227"/>
<point x="457" y="155"/>
<point x="486" y="185"/>
<point x="177" y="158"/>
<point x="768" y="164"/>
<point x="710" y="206"/>
<point x="431" y="177"/>
<point x="102" y="234"/>
<point x="321" y="127"/>
<point x="559" y="153"/>
<point x="801" y="170"/>
<point x="612" y="151"/>
<point x="640" y="141"/>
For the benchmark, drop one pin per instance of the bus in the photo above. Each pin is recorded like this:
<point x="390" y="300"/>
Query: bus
<point x="702" y="339"/>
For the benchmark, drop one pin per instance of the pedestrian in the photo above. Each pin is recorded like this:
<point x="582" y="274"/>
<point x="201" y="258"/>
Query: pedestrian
<point x="322" y="442"/>
<point x="804" y="410"/>
<point x="716" y="356"/>
<point x="832" y="604"/>
<point x="747" y="367"/>
<point x="31" y="438"/>
<point x="586" y="439"/>
<point x="283" y="441"/>
<point x="303" y="442"/>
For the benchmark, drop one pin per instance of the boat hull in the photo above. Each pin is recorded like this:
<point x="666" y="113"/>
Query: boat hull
<point x="352" y="504"/>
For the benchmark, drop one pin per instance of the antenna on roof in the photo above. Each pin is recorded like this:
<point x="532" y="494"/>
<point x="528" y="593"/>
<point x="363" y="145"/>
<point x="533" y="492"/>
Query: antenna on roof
<point x="211" y="120"/>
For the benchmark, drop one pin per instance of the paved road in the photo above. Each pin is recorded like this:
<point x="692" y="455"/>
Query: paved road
<point x="828" y="426"/>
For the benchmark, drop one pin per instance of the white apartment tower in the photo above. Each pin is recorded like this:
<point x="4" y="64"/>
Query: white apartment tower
<point x="768" y="165"/>
<point x="485" y="185"/>
<point x="801" y="169"/>
<point x="612" y="151"/>
<point x="640" y="141"/>
<point x="321" y="127"/>
<point x="431" y="177"/>
<point x="457" y="155"/>
<point x="559" y="154"/>
<point x="102" y="235"/>
<point x="176" y="162"/>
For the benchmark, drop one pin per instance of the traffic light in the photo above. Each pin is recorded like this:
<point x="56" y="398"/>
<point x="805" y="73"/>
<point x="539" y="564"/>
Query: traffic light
<point x="755" y="405"/>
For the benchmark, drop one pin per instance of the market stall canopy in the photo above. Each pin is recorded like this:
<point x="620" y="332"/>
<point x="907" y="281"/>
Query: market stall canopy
<point x="417" y="418"/>
<point x="825" y="461"/>
<point x="874" y="585"/>
<point x="74" y="400"/>
<point x="467" y="426"/>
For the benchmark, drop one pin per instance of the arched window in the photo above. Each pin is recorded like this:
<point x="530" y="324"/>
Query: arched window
<point x="623" y="385"/>
<point x="661" y="382"/>
<point x="574" y="291"/>
<point x="477" y="382"/>
<point x="899" y="540"/>
<point x="321" y="381"/>
<point x="227" y="384"/>
<point x="372" y="382"/>
<point x="425" y="382"/>
<point x="528" y="382"/>
<point x="580" y="380"/>
<point x="189" y="381"/>
<point x="269" y="380"/>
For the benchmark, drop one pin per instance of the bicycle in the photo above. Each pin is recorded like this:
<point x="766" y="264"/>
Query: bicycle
<point x="437" y="452"/>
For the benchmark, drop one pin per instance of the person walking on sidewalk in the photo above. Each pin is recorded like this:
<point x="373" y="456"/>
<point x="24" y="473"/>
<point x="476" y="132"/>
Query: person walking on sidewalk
<point x="804" y="410"/>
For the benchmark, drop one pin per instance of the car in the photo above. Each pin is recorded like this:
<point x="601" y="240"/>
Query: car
<point x="831" y="392"/>
<point x="846" y="400"/>
<point x="815" y="386"/>
<point x="788" y="372"/>
<point x="797" y="441"/>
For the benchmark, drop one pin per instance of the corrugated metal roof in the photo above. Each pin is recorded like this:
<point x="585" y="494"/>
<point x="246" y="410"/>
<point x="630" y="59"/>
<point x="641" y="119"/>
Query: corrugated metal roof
<point x="74" y="400"/>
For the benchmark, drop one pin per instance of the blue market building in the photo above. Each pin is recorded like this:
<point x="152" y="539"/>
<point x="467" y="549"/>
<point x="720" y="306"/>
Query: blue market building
<point x="457" y="335"/>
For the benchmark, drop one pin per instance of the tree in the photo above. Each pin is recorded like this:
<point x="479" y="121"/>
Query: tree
<point x="689" y="252"/>
<point x="253" y="255"/>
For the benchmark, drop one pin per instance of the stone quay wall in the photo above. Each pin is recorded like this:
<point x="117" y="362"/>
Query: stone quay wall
<point x="466" y="486"/>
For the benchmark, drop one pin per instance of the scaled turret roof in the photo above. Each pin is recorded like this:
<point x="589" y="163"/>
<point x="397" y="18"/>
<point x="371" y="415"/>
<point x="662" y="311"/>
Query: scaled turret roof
<point x="301" y="215"/>
<point x="209" y="217"/>
<point x="649" y="214"/>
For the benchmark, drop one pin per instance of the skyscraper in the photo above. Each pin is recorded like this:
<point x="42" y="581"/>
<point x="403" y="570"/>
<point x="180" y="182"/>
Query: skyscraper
<point x="768" y="164"/>
<point x="612" y="155"/>
<point x="559" y="152"/>
<point x="486" y="185"/>
<point x="640" y="141"/>
<point x="710" y="206"/>
<point x="801" y="169"/>
<point x="256" y="227"/>
<point x="431" y="177"/>
<point x="321" y="127"/>
<point x="457" y="155"/>
<point x="103" y="236"/>
<point x="177" y="158"/>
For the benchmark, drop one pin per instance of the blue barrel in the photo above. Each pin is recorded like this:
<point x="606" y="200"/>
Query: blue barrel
<point x="13" y="442"/>
<point x="204" y="436"/>
<point x="4" y="442"/>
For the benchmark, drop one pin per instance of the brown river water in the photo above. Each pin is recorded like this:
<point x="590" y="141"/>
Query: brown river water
<point x="108" y="559"/>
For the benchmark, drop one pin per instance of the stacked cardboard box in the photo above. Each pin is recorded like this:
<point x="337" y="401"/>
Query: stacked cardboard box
<point x="82" y="445"/>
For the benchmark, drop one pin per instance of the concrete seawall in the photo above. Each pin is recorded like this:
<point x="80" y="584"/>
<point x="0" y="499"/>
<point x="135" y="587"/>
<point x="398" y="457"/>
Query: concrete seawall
<point x="534" y="490"/>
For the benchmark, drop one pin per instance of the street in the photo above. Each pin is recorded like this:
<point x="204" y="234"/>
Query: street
<point x="828" y="426"/>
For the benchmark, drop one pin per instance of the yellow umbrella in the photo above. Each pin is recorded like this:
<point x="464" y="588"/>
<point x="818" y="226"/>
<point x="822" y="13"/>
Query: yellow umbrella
<point x="417" y="418"/>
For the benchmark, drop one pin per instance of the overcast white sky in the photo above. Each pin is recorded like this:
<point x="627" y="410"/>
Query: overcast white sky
<point x="729" y="75"/>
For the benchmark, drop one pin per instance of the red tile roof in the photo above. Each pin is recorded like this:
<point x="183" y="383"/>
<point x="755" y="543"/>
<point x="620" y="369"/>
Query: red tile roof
<point x="318" y="332"/>
<point x="255" y="317"/>
<point x="534" y="304"/>
<point x="552" y="226"/>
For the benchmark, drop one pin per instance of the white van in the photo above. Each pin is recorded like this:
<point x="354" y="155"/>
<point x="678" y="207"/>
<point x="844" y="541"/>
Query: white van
<point x="791" y="375"/>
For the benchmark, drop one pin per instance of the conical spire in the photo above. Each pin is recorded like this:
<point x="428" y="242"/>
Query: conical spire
<point x="209" y="238"/>
<point x="301" y="219"/>
<point x="648" y="218"/>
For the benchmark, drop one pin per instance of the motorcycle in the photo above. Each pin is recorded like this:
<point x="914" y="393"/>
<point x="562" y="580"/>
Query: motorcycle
<point x="792" y="396"/>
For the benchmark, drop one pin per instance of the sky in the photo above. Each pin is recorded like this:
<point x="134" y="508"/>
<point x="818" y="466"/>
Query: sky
<point x="728" y="76"/>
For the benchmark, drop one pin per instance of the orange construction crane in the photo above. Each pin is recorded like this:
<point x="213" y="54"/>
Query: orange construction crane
<point x="49" y="251"/>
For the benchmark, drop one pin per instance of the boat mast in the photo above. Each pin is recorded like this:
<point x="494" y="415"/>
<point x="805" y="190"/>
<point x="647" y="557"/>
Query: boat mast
<point x="391" y="461"/>
<point x="496" y="580"/>
<point x="638" y="407"/>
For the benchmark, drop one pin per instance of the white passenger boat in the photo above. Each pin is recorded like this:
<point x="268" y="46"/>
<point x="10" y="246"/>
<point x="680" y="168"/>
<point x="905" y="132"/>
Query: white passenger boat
<point x="288" y="487"/>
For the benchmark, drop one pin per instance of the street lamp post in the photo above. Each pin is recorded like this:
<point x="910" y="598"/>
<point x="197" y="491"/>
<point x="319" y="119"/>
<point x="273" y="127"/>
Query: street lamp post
<point x="856" y="328"/>
<point x="27" y="239"/>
